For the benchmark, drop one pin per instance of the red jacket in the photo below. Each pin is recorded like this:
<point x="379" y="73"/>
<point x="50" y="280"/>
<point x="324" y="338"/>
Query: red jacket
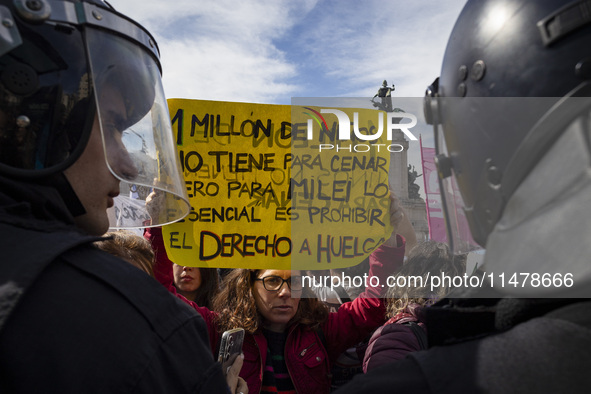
<point x="393" y="341"/>
<point x="307" y="359"/>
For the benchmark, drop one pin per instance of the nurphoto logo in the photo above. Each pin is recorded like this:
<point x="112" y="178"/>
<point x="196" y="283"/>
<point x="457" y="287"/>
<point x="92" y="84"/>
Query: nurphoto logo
<point x="345" y="125"/>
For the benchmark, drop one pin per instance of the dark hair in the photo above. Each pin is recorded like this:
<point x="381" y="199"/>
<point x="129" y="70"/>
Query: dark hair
<point x="426" y="259"/>
<point x="131" y="247"/>
<point x="210" y="286"/>
<point x="236" y="305"/>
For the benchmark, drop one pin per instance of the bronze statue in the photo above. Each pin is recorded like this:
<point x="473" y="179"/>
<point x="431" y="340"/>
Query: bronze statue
<point x="385" y="93"/>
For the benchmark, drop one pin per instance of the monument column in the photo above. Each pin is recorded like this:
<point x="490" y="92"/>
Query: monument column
<point x="398" y="176"/>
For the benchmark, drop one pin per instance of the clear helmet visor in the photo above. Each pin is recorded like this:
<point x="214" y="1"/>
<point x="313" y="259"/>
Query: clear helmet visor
<point x="137" y="134"/>
<point x="458" y="232"/>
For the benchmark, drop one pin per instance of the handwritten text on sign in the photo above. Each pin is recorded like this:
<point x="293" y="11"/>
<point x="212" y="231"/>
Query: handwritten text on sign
<point x="340" y="188"/>
<point x="253" y="190"/>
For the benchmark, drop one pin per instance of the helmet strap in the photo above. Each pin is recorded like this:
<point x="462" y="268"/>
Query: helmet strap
<point x="60" y="183"/>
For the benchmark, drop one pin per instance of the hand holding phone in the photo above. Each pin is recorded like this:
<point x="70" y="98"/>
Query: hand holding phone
<point x="230" y="347"/>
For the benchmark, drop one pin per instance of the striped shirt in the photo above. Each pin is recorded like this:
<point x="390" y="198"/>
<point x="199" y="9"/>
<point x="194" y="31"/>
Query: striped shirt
<point x="276" y="377"/>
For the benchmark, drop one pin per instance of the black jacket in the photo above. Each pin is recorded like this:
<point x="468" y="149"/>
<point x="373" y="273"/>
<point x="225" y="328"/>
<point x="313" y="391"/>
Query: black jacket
<point x="494" y="346"/>
<point x="74" y="319"/>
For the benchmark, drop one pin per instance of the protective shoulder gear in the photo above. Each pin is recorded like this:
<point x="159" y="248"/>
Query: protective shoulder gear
<point x="74" y="319"/>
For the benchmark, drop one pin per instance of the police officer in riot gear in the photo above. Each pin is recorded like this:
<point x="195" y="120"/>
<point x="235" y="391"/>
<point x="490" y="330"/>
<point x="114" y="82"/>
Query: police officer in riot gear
<point x="512" y="119"/>
<point x="83" y="120"/>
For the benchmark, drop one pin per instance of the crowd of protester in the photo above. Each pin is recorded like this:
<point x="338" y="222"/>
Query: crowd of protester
<point x="86" y="310"/>
<point x="297" y="340"/>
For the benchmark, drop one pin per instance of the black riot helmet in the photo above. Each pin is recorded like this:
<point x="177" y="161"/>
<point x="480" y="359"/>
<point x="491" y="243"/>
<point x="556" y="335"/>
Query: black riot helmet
<point x="60" y="63"/>
<point x="515" y="74"/>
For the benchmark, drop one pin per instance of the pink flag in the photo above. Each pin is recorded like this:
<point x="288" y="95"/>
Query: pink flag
<point x="463" y="241"/>
<point x="435" y="217"/>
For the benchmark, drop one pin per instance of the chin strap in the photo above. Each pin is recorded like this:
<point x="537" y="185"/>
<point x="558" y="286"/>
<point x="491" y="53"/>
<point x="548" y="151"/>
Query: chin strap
<point x="69" y="195"/>
<point x="60" y="183"/>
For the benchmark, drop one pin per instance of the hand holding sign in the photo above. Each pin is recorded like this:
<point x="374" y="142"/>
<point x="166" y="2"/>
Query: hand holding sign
<point x="400" y="225"/>
<point x="154" y="203"/>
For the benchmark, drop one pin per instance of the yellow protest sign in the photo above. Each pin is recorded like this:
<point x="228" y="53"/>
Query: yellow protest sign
<point x="264" y="196"/>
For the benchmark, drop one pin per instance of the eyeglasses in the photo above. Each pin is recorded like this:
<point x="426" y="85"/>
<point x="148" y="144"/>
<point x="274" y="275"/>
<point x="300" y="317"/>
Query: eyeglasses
<point x="274" y="283"/>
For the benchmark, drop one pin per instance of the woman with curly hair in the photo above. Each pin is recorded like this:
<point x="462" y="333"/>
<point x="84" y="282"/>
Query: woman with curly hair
<point x="291" y="339"/>
<point x="397" y="337"/>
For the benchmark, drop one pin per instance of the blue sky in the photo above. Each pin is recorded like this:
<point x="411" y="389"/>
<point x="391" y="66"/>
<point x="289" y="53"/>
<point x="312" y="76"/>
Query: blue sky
<point x="267" y="51"/>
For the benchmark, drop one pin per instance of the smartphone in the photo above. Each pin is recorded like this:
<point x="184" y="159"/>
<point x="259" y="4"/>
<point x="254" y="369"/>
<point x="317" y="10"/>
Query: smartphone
<point x="230" y="347"/>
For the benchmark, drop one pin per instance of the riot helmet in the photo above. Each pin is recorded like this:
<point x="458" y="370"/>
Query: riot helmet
<point x="63" y="63"/>
<point x="515" y="73"/>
